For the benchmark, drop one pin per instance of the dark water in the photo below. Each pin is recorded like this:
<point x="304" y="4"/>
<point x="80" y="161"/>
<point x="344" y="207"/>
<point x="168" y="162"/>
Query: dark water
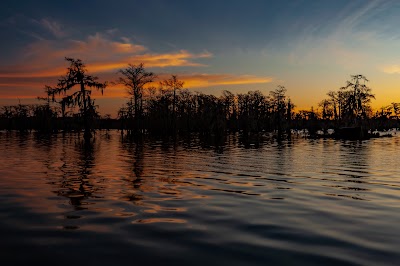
<point x="298" y="202"/>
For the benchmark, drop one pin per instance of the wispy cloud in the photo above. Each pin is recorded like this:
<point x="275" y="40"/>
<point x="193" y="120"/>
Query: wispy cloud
<point x="355" y="13"/>
<point x="346" y="37"/>
<point x="51" y="26"/>
<point x="391" y="69"/>
<point x="38" y="29"/>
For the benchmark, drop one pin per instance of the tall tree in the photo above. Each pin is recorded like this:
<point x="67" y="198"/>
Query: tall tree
<point x="357" y="98"/>
<point x="278" y="98"/>
<point x="44" y="114"/>
<point x="77" y="76"/>
<point x="334" y="101"/>
<point x="134" y="78"/>
<point x="229" y="102"/>
<point x="174" y="84"/>
<point x="327" y="109"/>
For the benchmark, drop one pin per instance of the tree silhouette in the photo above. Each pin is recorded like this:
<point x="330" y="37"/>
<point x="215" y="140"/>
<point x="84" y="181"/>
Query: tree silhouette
<point x="76" y="76"/>
<point x="174" y="84"/>
<point x="328" y="109"/>
<point x="335" y="104"/>
<point x="278" y="98"/>
<point x="396" y="109"/>
<point x="230" y="111"/>
<point x="357" y="98"/>
<point x="44" y="114"/>
<point x="134" y="78"/>
<point x="170" y="109"/>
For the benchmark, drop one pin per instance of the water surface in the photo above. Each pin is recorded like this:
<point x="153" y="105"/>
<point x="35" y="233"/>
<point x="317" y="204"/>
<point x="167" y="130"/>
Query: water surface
<point x="190" y="202"/>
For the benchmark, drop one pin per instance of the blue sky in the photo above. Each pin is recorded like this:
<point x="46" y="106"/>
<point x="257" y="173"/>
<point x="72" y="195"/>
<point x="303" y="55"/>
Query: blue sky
<point x="310" y="47"/>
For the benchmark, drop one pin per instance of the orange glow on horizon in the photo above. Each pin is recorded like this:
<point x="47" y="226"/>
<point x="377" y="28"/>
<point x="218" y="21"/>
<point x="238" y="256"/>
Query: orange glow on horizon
<point x="21" y="73"/>
<point x="31" y="89"/>
<point x="209" y="80"/>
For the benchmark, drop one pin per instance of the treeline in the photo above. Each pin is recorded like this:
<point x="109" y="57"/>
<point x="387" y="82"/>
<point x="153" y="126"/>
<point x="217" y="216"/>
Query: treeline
<point x="169" y="109"/>
<point x="172" y="110"/>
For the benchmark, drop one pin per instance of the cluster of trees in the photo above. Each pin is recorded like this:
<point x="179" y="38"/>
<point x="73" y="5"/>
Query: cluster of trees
<point x="171" y="109"/>
<point x="60" y="101"/>
<point x="23" y="117"/>
<point x="350" y="106"/>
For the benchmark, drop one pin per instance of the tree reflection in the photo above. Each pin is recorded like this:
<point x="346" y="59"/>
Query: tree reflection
<point x="138" y="164"/>
<point x="135" y="149"/>
<point x="68" y="164"/>
<point x="76" y="181"/>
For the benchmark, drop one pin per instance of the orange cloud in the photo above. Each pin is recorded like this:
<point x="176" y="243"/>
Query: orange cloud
<point x="175" y="59"/>
<point x="26" y="72"/>
<point x="181" y="58"/>
<point x="94" y="47"/>
<point x="209" y="80"/>
<point x="44" y="58"/>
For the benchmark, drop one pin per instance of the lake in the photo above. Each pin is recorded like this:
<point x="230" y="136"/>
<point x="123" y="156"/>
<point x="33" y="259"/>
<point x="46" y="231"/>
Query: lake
<point x="193" y="202"/>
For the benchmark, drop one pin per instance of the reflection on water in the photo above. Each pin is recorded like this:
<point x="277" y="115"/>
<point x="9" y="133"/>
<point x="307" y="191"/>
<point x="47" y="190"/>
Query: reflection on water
<point x="196" y="201"/>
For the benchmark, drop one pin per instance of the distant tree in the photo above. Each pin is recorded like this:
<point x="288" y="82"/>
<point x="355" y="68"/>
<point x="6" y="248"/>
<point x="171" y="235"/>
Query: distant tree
<point x="76" y="76"/>
<point x="7" y="112"/>
<point x="50" y="97"/>
<point x="44" y="114"/>
<point x="357" y="97"/>
<point x="289" y="115"/>
<point x="20" y="116"/>
<point x="396" y="109"/>
<point x="384" y="113"/>
<point x="327" y="109"/>
<point x="208" y="113"/>
<point x="278" y="100"/>
<point x="174" y="84"/>
<point x="335" y="103"/>
<point x="230" y="109"/>
<point x="134" y="78"/>
<point x="187" y="109"/>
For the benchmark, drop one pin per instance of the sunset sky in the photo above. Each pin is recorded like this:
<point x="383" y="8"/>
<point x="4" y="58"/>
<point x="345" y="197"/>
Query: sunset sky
<point x="310" y="47"/>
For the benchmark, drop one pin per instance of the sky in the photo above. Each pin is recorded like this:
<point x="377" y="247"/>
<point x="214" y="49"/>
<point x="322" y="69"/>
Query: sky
<point x="310" y="47"/>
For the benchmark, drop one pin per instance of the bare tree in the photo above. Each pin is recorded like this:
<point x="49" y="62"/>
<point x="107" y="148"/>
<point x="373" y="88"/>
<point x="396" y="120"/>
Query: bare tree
<point x="327" y="108"/>
<point x="334" y="101"/>
<point x="278" y="98"/>
<point x="134" y="78"/>
<point x="357" y="97"/>
<point x="174" y="84"/>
